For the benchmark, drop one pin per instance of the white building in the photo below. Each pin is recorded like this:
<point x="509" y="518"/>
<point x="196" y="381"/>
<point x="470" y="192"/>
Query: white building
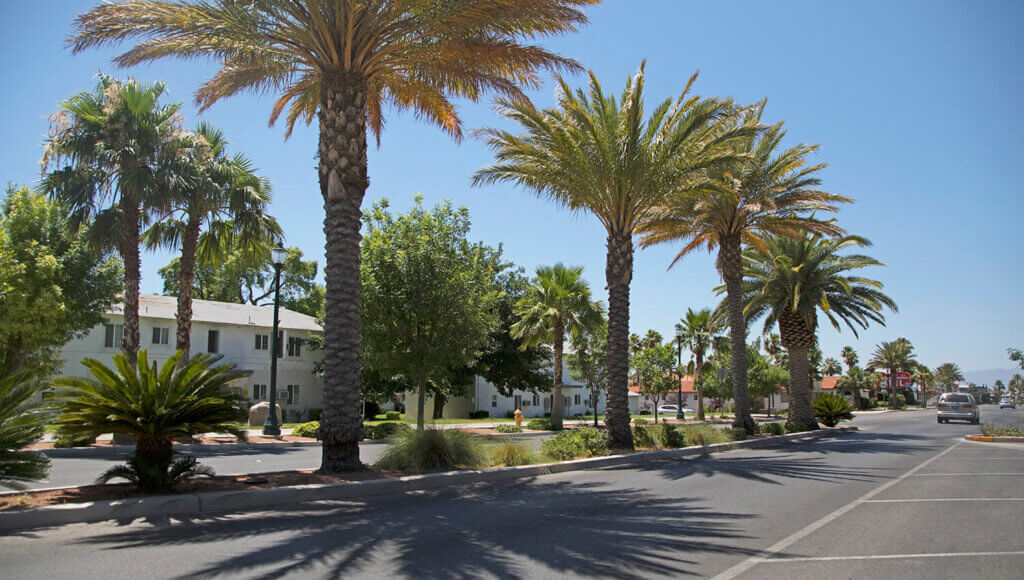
<point x="241" y="332"/>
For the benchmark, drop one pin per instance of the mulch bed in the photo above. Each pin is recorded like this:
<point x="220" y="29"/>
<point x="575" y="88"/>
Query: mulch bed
<point x="115" y="491"/>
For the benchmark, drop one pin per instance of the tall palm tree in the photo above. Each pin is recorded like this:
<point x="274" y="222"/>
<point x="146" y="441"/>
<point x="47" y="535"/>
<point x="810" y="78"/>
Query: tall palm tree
<point x="947" y="375"/>
<point x="767" y="192"/>
<point x="789" y="280"/>
<point x="108" y="151"/>
<point x="699" y="328"/>
<point x="831" y="367"/>
<point x="218" y="204"/>
<point x="597" y="153"/>
<point x="850" y="357"/>
<point x="343" y="62"/>
<point x="924" y="377"/>
<point x="557" y="303"/>
<point x="895" y="356"/>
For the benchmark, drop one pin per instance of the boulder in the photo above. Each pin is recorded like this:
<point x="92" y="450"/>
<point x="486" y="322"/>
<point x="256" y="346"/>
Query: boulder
<point x="258" y="414"/>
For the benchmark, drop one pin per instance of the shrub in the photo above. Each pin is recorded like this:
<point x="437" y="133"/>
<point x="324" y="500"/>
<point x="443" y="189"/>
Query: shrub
<point x="510" y="454"/>
<point x="384" y="430"/>
<point x="505" y="428"/>
<point x="370" y="410"/>
<point x="644" y="412"/>
<point x="63" y="441"/>
<point x="872" y="403"/>
<point x="772" y="429"/>
<point x="307" y="429"/>
<point x="1002" y="430"/>
<point x="153" y="475"/>
<point x="703" y="435"/>
<point x="643" y="438"/>
<point x="791" y="427"/>
<point x="899" y="402"/>
<point x="21" y="423"/>
<point x="479" y="414"/>
<point x="737" y="433"/>
<point x="577" y="443"/>
<point x="830" y="408"/>
<point x="393" y="416"/>
<point x="314" y="414"/>
<point x="421" y="451"/>
<point x="640" y="421"/>
<point x="669" y="436"/>
<point x="539" y="424"/>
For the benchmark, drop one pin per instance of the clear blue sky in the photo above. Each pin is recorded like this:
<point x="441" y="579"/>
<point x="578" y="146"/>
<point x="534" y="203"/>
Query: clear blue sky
<point x="917" y="105"/>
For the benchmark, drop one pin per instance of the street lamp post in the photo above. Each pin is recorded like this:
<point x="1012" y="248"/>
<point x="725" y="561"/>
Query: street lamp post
<point x="272" y="426"/>
<point x="679" y="368"/>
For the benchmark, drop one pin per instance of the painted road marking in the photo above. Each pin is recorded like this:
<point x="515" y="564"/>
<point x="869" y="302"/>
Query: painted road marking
<point x="947" y="499"/>
<point x="892" y="556"/>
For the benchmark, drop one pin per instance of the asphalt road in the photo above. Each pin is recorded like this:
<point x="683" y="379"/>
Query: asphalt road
<point x="905" y="497"/>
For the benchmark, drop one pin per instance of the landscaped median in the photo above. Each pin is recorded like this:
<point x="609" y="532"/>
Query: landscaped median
<point x="191" y="504"/>
<point x="999" y="434"/>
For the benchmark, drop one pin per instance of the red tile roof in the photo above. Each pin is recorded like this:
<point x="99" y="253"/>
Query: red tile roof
<point x="687" y="385"/>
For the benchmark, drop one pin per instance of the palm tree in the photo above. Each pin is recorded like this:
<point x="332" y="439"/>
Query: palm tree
<point x="926" y="380"/>
<point x="831" y="367"/>
<point x="557" y="303"/>
<point x="109" y="148"/>
<point x="597" y="153"/>
<point x="218" y="205"/>
<point x="895" y="356"/>
<point x="790" y="280"/>
<point x="343" y="62"/>
<point x="766" y="192"/>
<point x="699" y="329"/>
<point x="947" y="375"/>
<point x="849" y="357"/>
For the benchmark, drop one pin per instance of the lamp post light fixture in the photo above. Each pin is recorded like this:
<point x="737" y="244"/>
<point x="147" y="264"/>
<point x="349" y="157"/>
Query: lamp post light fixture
<point x="679" y="368"/>
<point x="272" y="426"/>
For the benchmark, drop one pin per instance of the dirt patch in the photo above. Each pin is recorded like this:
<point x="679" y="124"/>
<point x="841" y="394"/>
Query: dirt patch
<point x="115" y="491"/>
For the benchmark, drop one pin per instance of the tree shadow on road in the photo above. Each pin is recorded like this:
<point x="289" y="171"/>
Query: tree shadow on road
<point x="512" y="529"/>
<point x="775" y="469"/>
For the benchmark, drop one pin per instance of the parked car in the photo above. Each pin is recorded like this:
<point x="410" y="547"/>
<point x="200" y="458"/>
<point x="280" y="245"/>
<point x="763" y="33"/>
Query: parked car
<point x="1007" y="402"/>
<point x="958" y="406"/>
<point x="672" y="410"/>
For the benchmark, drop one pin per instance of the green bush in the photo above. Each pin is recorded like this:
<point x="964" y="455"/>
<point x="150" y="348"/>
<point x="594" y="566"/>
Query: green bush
<point x="640" y="421"/>
<point x="643" y="438"/>
<point x="871" y="403"/>
<point x="22" y="423"/>
<point x="384" y="430"/>
<point x="772" y="429"/>
<point x="157" y="474"/>
<point x="393" y="416"/>
<point x="668" y="435"/>
<point x="577" y="443"/>
<point x="512" y="454"/>
<point x="63" y="441"/>
<point x="506" y="428"/>
<point x="791" y="427"/>
<point x="540" y="424"/>
<point x="830" y="408"/>
<point x="479" y="414"/>
<point x="703" y="435"/>
<point x="644" y="412"/>
<point x="307" y="429"/>
<point x="737" y="433"/>
<point x="314" y="414"/>
<point x="899" y="402"/>
<point x="1002" y="430"/>
<point x="427" y="450"/>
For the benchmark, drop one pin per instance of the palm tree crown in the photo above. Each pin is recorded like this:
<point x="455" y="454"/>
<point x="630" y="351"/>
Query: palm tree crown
<point x="699" y="328"/>
<point x="895" y="356"/>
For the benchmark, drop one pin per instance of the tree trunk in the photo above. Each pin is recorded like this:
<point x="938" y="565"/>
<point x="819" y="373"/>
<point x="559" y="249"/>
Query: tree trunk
<point x="798" y="338"/>
<point x="619" y="274"/>
<point x="186" y="277"/>
<point x="858" y="400"/>
<point x="594" y="394"/>
<point x="439" y="401"/>
<point x="343" y="183"/>
<point x="129" y="249"/>
<point x="730" y="265"/>
<point x="556" y="391"/>
<point x="698" y="384"/>
<point x="421" y="403"/>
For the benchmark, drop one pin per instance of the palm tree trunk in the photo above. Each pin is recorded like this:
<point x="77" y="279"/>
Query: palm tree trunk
<point x="730" y="265"/>
<point x="800" y="410"/>
<point x="698" y="384"/>
<point x="129" y="250"/>
<point x="619" y="274"/>
<point x="556" y="391"/>
<point x="186" y="277"/>
<point x="343" y="183"/>
<point x="858" y="400"/>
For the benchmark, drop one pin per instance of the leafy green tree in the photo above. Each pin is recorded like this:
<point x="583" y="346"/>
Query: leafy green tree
<point x="248" y="278"/>
<point x="1016" y="388"/>
<point x="53" y="285"/>
<point x="997" y="388"/>
<point x="587" y="362"/>
<point x="558" y="302"/>
<point x="766" y="191"/>
<point x="217" y="202"/>
<point x="699" y="328"/>
<point x="947" y="375"/>
<point x="895" y="356"/>
<point x="21" y="423"/>
<point x="344" y="62"/>
<point x="787" y="281"/>
<point x="109" y="152"/>
<point x="763" y="376"/>
<point x="655" y="372"/>
<point x="1016" y="356"/>
<point x="428" y="296"/>
<point x="831" y="367"/>
<point x="855" y="381"/>
<point x="598" y="153"/>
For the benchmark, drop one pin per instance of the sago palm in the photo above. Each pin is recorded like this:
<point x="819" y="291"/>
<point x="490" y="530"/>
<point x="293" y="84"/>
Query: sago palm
<point x="699" y="328"/>
<point x="217" y="204"/>
<point x="108" y="151"/>
<point x="788" y="281"/>
<point x="343" y="62"/>
<point x="558" y="302"/>
<point x="600" y="154"/>
<point x="771" y="191"/>
<point x="21" y="423"/>
<point x="894" y="356"/>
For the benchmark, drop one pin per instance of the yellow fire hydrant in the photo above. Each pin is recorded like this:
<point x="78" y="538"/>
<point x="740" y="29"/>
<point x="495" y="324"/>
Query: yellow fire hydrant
<point x="519" y="418"/>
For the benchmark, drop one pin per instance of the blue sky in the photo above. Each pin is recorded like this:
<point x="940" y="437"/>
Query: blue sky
<point x="917" y="106"/>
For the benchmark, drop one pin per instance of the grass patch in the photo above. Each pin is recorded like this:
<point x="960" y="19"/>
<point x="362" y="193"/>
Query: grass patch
<point x="704" y="435"/>
<point x="431" y="450"/>
<point x="509" y="454"/>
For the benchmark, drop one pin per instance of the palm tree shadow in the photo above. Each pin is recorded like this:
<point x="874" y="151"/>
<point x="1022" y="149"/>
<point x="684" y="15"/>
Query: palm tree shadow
<point x="512" y="529"/>
<point x="774" y="469"/>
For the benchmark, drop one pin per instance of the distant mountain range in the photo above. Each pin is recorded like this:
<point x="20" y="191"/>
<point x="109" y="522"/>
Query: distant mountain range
<point x="989" y="376"/>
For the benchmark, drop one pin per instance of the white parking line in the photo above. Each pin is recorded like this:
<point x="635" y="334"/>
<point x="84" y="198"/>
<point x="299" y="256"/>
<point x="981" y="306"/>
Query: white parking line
<point x="796" y="536"/>
<point x="892" y="556"/>
<point x="946" y="499"/>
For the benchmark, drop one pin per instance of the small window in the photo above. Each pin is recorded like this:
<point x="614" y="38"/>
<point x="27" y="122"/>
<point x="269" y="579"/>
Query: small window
<point x="577" y="399"/>
<point x="293" y="395"/>
<point x="294" y="346"/>
<point x="494" y="401"/>
<point x="160" y="335"/>
<point x="259" y="392"/>
<point x="262" y="342"/>
<point x="113" y="333"/>
<point x="213" y="341"/>
<point x="536" y="399"/>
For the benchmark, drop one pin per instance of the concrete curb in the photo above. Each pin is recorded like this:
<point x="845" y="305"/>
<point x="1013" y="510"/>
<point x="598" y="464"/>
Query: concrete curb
<point x="986" y="439"/>
<point x="221" y="501"/>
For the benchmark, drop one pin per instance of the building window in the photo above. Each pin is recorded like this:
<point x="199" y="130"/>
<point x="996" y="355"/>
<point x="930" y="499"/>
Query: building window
<point x="292" y="395"/>
<point x="262" y="342"/>
<point x="494" y="401"/>
<point x="259" y="392"/>
<point x="213" y="341"/>
<point x="536" y="400"/>
<point x="280" y="343"/>
<point x="160" y="335"/>
<point x="577" y="399"/>
<point x="113" y="333"/>
<point x="294" y="346"/>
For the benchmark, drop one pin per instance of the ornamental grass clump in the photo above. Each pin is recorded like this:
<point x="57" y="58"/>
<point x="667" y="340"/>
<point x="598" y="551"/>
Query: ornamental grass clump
<point x="576" y="444"/>
<point x="510" y="454"/>
<point x="704" y="435"/>
<point x="830" y="408"/>
<point x="429" y="450"/>
<point x="773" y="428"/>
<point x="643" y="438"/>
<point x="670" y="436"/>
